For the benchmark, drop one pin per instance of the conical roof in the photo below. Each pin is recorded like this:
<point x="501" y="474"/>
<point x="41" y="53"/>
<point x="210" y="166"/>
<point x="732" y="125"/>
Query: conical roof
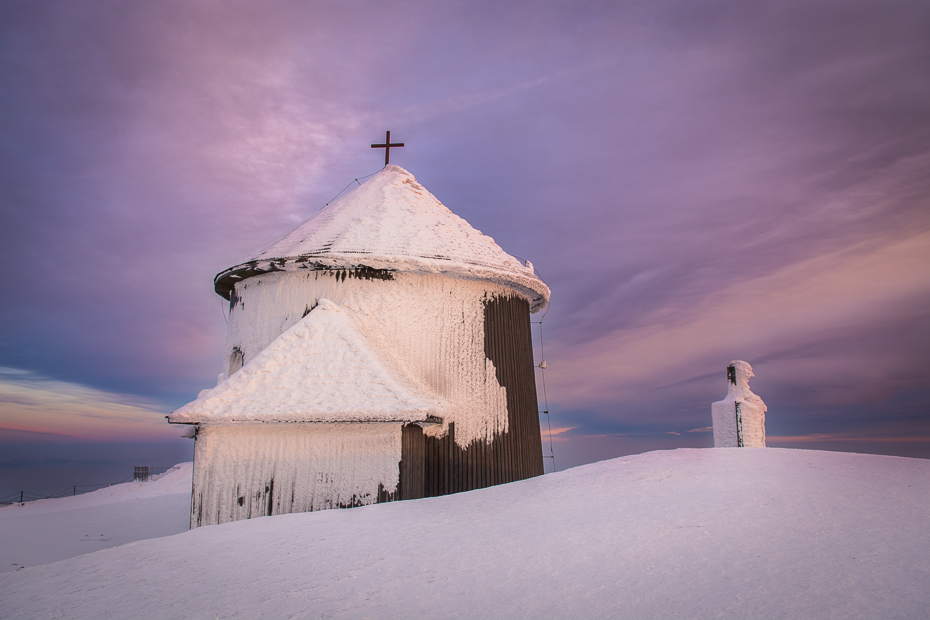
<point x="391" y="222"/>
<point x="322" y="369"/>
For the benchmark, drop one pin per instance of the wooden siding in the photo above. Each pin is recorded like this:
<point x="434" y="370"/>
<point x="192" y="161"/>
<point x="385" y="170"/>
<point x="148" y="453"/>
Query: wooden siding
<point x="445" y="467"/>
<point x="247" y="471"/>
<point x="269" y="470"/>
<point x="412" y="463"/>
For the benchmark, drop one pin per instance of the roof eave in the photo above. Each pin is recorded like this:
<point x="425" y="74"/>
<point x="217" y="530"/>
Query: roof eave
<point x="233" y="421"/>
<point x="527" y="285"/>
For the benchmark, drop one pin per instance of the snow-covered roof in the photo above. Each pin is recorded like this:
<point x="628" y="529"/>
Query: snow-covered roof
<point x="320" y="370"/>
<point x="391" y="222"/>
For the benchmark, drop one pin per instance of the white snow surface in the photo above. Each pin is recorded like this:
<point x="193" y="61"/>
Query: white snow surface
<point x="49" y="530"/>
<point x="392" y="222"/>
<point x="322" y="369"/>
<point x="691" y="533"/>
<point x="741" y="415"/>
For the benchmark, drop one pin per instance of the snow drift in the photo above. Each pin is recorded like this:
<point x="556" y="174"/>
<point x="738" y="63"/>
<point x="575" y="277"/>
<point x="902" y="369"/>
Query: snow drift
<point x="737" y="533"/>
<point x="49" y="530"/>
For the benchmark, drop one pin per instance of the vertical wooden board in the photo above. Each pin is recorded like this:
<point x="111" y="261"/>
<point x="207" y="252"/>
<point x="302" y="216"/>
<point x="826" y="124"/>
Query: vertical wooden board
<point x="509" y="346"/>
<point x="432" y="469"/>
<point x="412" y="478"/>
<point x="450" y="446"/>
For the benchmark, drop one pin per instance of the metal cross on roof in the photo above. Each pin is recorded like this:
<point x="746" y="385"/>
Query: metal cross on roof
<point x="387" y="147"/>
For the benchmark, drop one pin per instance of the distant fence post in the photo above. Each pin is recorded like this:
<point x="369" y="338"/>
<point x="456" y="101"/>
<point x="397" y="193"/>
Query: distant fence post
<point x="141" y="474"/>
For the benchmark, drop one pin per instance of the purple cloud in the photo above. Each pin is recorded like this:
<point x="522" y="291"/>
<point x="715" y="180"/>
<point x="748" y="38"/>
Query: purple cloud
<point x="650" y="160"/>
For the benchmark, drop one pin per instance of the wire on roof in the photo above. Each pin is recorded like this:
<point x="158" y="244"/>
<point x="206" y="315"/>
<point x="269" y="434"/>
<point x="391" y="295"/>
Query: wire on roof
<point x="348" y="186"/>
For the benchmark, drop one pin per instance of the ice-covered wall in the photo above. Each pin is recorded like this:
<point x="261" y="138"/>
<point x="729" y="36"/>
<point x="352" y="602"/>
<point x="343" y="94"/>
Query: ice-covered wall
<point x="739" y="419"/>
<point x="430" y="327"/>
<point x="243" y="471"/>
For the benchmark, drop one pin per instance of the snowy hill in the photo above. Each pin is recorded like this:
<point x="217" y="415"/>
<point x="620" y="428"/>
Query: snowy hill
<point x="734" y="533"/>
<point x="49" y="530"/>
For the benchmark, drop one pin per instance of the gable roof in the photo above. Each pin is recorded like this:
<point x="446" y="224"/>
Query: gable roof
<point x="393" y="223"/>
<point x="320" y="370"/>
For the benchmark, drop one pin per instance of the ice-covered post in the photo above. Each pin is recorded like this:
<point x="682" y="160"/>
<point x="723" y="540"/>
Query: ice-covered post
<point x="739" y="419"/>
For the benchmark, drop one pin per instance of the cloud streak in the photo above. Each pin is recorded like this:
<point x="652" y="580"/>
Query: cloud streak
<point x="31" y="404"/>
<point x="753" y="319"/>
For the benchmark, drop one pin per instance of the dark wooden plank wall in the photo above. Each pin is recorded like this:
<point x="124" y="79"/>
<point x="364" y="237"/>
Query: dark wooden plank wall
<point x="431" y="466"/>
<point x="412" y="463"/>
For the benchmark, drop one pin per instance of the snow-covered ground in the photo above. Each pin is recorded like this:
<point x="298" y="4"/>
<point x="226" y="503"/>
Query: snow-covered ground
<point x="733" y="533"/>
<point x="49" y="530"/>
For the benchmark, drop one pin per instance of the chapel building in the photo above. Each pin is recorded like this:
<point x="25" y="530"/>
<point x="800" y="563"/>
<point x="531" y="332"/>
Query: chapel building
<point x="380" y="351"/>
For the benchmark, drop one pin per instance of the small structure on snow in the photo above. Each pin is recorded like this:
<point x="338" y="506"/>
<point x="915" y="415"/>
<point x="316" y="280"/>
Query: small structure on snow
<point x="380" y="351"/>
<point x="739" y="419"/>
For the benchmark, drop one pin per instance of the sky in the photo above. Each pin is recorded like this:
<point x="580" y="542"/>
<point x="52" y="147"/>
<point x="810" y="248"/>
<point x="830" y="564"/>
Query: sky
<point x="696" y="181"/>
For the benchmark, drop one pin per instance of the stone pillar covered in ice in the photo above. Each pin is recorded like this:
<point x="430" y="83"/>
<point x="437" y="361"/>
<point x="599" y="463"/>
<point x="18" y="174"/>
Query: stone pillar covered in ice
<point x="739" y="419"/>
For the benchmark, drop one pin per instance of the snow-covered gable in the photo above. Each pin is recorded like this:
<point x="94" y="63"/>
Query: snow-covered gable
<point x="320" y="370"/>
<point x="393" y="223"/>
